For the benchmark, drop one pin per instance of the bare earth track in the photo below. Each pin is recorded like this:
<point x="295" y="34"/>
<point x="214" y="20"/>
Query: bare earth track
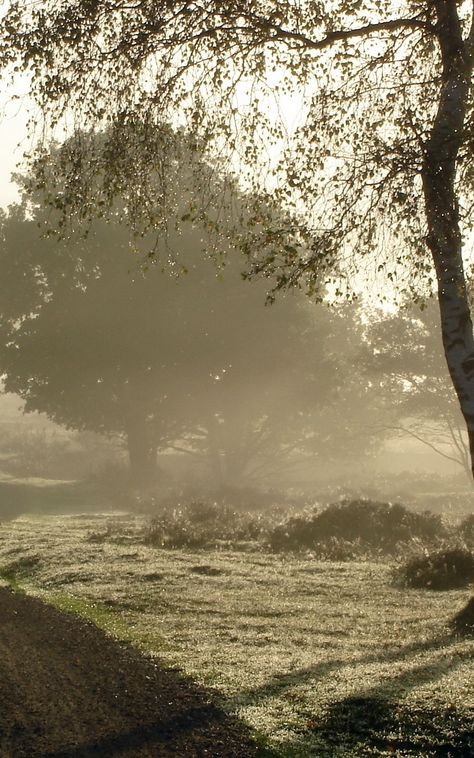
<point x="69" y="691"/>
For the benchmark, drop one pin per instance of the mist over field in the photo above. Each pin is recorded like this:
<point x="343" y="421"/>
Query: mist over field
<point x="179" y="379"/>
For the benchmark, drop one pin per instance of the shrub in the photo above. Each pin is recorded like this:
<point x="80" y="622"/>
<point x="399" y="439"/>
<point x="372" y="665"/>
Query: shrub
<point x="375" y="525"/>
<point x="466" y="529"/>
<point x="442" y="570"/>
<point x="200" y="524"/>
<point x="339" y="550"/>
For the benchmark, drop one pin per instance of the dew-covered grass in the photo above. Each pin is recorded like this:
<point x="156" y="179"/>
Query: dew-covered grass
<point x="320" y="658"/>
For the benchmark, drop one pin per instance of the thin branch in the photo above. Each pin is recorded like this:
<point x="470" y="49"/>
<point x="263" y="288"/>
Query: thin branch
<point x="425" y="442"/>
<point x="184" y="450"/>
<point x="344" y="34"/>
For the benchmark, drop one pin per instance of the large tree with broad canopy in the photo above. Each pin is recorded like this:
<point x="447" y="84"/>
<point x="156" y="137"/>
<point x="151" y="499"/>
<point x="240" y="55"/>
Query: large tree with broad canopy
<point x="185" y="358"/>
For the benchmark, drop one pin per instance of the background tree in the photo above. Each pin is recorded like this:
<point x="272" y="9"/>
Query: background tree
<point x="312" y="412"/>
<point x="194" y="362"/>
<point x="405" y="363"/>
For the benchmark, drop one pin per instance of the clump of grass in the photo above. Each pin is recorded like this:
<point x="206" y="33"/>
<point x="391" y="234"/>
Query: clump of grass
<point x="446" y="569"/>
<point x="203" y="524"/>
<point x="116" y="530"/>
<point x="21" y="568"/>
<point x="365" y="524"/>
<point x="466" y="530"/>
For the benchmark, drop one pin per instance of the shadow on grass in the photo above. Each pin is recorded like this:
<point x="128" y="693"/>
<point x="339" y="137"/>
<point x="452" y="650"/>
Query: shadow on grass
<point x="67" y="690"/>
<point x="281" y="682"/>
<point x="376" y="719"/>
<point x="373" y="722"/>
<point x="184" y="734"/>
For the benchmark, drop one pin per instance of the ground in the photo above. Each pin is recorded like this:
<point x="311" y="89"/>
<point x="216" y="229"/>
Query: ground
<point x="319" y="658"/>
<point x="68" y="690"/>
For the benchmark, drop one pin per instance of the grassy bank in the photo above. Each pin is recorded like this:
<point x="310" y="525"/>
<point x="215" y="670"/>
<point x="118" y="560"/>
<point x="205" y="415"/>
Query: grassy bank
<point x="324" y="659"/>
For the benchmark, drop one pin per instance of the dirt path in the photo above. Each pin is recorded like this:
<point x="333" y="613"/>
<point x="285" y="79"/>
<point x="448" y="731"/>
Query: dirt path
<point x="68" y="691"/>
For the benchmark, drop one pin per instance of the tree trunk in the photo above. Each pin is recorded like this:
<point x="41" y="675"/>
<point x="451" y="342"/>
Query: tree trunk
<point x="228" y="452"/>
<point x="441" y="203"/>
<point x="214" y="452"/>
<point x="141" y="453"/>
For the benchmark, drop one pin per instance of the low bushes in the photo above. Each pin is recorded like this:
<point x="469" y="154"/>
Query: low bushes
<point x="371" y="525"/>
<point x="442" y="570"/>
<point x="349" y="530"/>
<point x="203" y="524"/>
<point x="466" y="530"/>
<point x="343" y="531"/>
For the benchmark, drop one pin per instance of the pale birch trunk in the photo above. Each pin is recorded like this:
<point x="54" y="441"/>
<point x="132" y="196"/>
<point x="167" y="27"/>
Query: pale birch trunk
<point x="439" y="184"/>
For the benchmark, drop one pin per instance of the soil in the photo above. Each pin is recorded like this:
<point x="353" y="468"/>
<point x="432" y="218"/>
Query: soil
<point x="67" y="690"/>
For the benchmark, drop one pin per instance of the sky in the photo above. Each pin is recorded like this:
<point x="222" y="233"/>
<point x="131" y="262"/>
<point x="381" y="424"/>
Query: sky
<point x="13" y="142"/>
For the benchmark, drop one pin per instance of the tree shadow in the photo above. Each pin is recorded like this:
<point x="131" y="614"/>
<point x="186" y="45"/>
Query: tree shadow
<point x="377" y="718"/>
<point x="282" y="682"/>
<point x="373" y="721"/>
<point x="67" y="690"/>
<point x="188" y="733"/>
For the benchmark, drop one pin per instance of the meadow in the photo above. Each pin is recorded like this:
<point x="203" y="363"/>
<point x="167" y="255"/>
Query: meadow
<point x="320" y="658"/>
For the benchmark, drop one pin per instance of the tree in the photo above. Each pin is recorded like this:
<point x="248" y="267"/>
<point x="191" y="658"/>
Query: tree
<point x="310" y="409"/>
<point x="194" y="362"/>
<point x="405" y="362"/>
<point x="383" y="147"/>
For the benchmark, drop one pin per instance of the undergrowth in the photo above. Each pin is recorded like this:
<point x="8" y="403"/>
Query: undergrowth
<point x="344" y="531"/>
<point x="447" y="569"/>
<point x="203" y="525"/>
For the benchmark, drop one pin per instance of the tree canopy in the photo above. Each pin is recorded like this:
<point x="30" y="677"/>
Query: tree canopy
<point x="365" y="76"/>
<point x="194" y="361"/>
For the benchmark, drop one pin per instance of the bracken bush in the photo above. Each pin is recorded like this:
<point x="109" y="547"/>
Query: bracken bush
<point x="372" y="525"/>
<point x="446" y="569"/>
<point x="201" y="524"/>
<point x="466" y="530"/>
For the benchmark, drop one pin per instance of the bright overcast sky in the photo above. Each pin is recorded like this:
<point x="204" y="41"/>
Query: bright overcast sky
<point x="13" y="143"/>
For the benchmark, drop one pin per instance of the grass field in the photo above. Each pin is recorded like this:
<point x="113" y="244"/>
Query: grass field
<point x="321" y="659"/>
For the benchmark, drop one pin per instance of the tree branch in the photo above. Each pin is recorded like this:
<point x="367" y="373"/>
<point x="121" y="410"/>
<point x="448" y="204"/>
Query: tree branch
<point x="425" y="442"/>
<point x="345" y="34"/>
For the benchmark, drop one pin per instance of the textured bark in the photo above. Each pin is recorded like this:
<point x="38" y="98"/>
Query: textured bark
<point x="439" y="184"/>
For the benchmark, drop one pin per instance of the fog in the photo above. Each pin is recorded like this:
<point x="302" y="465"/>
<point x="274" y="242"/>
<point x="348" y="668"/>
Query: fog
<point x="162" y="382"/>
<point x="142" y="381"/>
<point x="149" y="380"/>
